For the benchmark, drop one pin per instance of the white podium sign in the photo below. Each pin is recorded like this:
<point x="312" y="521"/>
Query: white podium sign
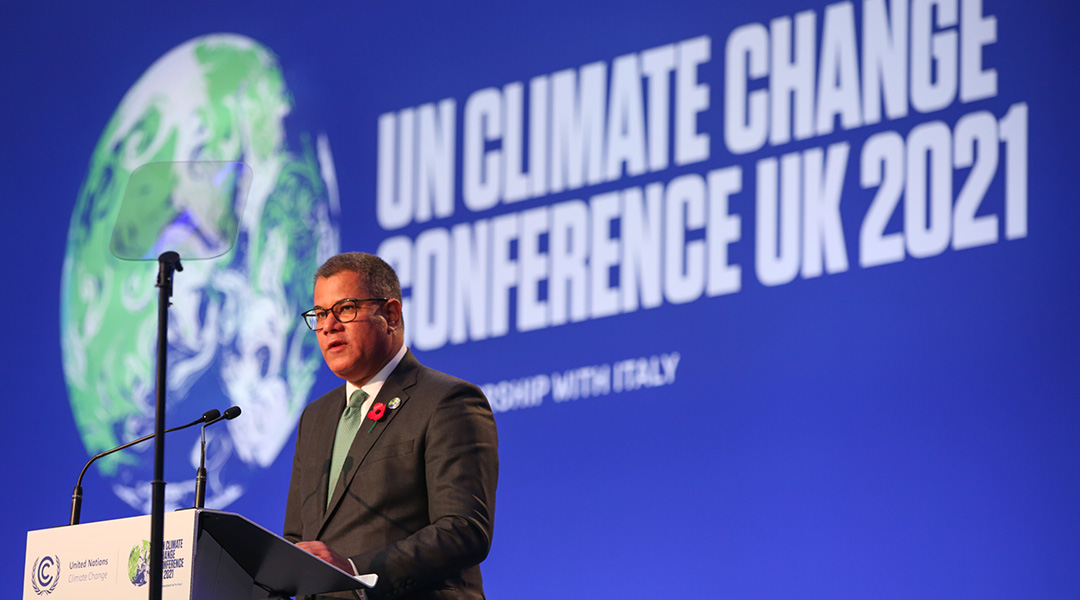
<point x="208" y="555"/>
<point x="109" y="560"/>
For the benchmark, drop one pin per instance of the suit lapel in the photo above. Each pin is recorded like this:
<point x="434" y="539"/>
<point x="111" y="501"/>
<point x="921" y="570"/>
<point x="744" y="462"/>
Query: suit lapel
<point x="396" y="386"/>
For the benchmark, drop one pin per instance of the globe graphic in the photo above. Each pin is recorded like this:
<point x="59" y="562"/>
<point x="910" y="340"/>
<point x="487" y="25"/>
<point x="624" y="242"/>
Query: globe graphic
<point x="235" y="336"/>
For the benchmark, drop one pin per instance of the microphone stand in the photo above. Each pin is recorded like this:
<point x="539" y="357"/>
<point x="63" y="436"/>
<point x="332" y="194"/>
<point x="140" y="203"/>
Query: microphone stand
<point x="200" y="475"/>
<point x="168" y="263"/>
<point x="76" y="496"/>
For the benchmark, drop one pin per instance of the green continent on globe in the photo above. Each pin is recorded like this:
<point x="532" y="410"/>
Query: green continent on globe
<point x="139" y="563"/>
<point x="234" y="334"/>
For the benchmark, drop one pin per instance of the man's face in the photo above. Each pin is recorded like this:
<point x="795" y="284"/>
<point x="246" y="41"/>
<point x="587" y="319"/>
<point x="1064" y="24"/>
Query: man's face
<point x="355" y="351"/>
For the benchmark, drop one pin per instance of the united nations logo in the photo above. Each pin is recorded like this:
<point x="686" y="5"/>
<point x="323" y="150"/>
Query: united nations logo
<point x="45" y="575"/>
<point x="139" y="563"/>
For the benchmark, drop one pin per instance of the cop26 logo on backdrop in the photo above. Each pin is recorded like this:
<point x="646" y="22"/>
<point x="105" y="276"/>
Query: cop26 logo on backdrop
<point x="234" y="335"/>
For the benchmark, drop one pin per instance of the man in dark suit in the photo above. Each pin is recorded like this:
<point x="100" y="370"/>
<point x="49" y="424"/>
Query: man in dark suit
<point x="395" y="471"/>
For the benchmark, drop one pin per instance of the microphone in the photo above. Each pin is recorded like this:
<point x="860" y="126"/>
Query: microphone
<point x="200" y="475"/>
<point x="76" y="497"/>
<point x="230" y="413"/>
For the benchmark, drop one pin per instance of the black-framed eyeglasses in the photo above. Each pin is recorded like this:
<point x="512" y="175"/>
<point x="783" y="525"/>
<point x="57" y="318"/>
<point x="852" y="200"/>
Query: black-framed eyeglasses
<point x="344" y="310"/>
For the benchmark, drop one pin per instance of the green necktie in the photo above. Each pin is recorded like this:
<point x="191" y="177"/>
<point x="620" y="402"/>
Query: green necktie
<point x="346" y="431"/>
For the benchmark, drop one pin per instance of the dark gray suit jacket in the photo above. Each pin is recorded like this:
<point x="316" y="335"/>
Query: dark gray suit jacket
<point x="415" y="503"/>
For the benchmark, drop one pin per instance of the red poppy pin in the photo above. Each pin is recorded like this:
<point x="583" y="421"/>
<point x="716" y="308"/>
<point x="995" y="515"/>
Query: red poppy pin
<point x="377" y="411"/>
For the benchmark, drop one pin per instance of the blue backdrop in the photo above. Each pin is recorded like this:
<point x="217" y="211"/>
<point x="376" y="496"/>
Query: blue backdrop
<point x="773" y="299"/>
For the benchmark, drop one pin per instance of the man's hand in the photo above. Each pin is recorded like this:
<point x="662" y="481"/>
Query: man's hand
<point x="326" y="553"/>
